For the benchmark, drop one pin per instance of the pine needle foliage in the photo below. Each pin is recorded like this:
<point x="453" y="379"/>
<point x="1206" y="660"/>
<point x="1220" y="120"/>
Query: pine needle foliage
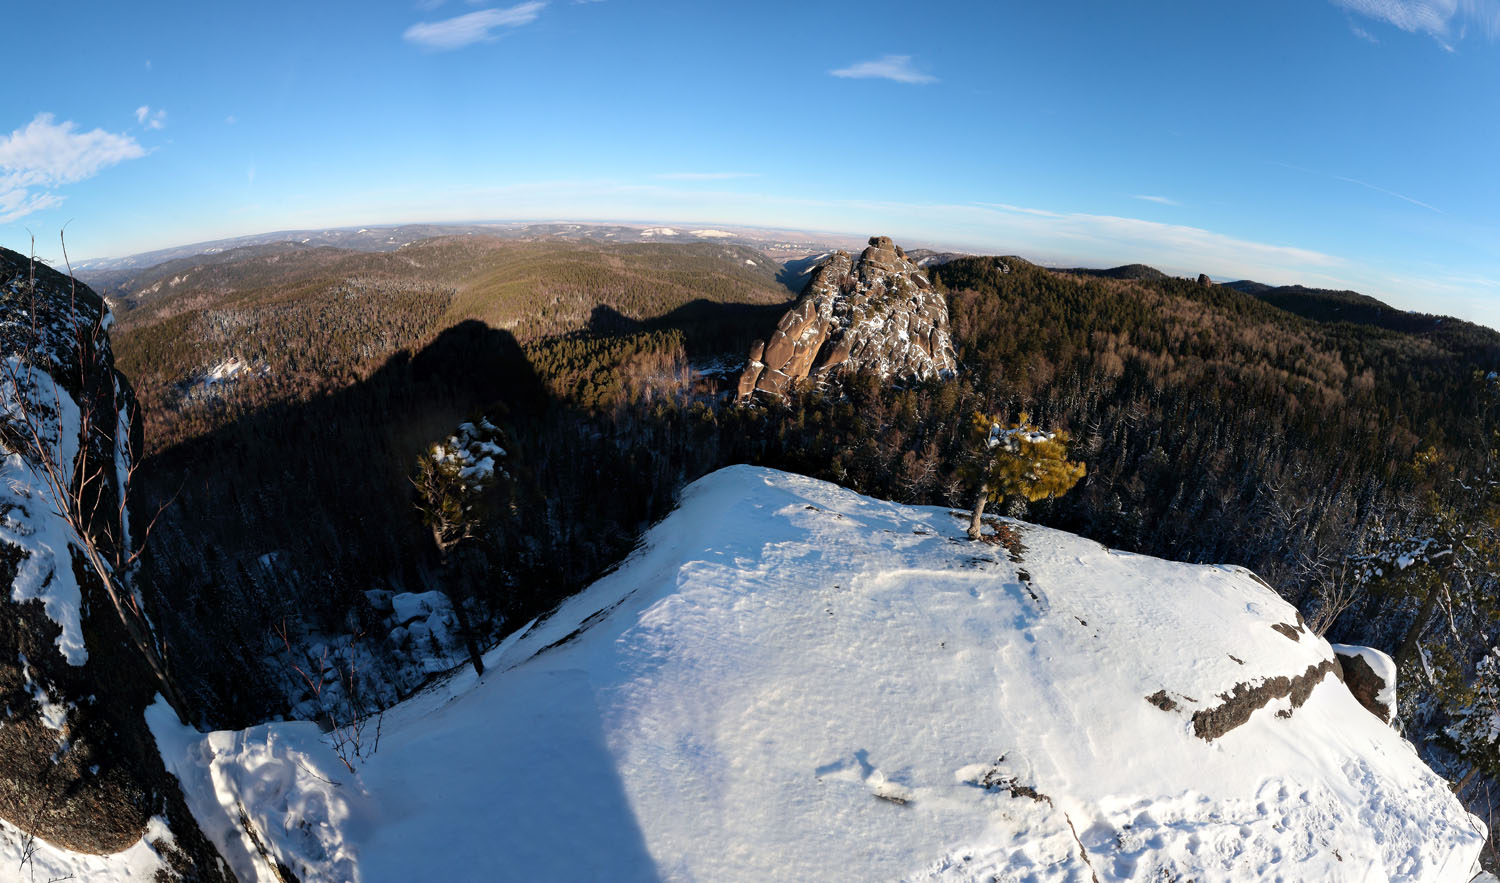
<point x="1019" y="460"/>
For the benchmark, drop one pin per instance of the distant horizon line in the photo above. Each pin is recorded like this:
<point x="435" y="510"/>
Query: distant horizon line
<point x="931" y="245"/>
<point x="638" y="223"/>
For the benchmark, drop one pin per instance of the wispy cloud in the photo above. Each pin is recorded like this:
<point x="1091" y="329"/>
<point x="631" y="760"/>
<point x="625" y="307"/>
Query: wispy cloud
<point x="1363" y="34"/>
<point x="1174" y="245"/>
<point x="473" y="27"/>
<point x="1379" y="189"/>
<point x="704" y="176"/>
<point x="1441" y="19"/>
<point x="48" y="154"/>
<point x="1159" y="200"/>
<point x="888" y="67"/>
<point x="150" y="120"/>
<point x="1366" y="184"/>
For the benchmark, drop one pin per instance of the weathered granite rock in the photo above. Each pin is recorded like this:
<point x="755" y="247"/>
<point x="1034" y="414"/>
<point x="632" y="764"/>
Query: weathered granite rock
<point x="78" y="766"/>
<point x="878" y="314"/>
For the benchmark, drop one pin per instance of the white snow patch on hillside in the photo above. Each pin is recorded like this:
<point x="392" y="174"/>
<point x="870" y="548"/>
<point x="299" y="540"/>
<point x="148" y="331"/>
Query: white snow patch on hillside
<point x="295" y="793"/>
<point x="228" y="369"/>
<point x="32" y="859"/>
<point x="713" y="234"/>
<point x="790" y="681"/>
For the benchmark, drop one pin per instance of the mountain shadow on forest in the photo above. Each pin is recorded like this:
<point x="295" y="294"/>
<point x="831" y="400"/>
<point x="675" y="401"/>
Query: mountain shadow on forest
<point x="707" y="327"/>
<point x="292" y="511"/>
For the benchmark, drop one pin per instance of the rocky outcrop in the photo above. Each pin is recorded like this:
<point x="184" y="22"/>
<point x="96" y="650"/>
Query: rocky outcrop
<point x="78" y="767"/>
<point x="877" y="314"/>
<point x="1371" y="676"/>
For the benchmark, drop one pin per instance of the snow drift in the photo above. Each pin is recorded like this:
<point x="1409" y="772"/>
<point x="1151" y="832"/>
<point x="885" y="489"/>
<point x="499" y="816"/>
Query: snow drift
<point x="790" y="681"/>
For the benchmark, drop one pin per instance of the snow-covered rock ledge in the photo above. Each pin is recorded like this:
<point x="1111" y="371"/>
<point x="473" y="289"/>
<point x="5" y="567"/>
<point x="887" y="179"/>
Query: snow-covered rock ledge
<point x="83" y="792"/>
<point x="794" y="682"/>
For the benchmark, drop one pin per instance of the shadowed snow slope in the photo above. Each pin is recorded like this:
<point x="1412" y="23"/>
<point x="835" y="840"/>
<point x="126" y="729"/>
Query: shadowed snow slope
<point x="794" y="682"/>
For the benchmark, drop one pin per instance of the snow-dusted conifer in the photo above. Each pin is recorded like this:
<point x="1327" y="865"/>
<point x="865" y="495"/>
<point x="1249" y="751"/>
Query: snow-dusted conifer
<point x="1019" y="460"/>
<point x="453" y="479"/>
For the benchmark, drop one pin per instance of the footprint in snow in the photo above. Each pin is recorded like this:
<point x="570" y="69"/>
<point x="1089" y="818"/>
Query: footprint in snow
<point x="859" y="769"/>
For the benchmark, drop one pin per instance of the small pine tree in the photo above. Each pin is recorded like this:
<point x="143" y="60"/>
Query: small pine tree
<point x="1019" y="460"/>
<point x="453" y="479"/>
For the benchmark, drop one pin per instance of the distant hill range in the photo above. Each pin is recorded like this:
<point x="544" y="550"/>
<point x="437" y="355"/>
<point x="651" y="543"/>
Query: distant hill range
<point x="392" y="237"/>
<point x="1128" y="271"/>
<point x="1324" y="305"/>
<point x="1318" y="304"/>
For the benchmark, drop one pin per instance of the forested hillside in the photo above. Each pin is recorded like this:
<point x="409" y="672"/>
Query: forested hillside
<point x="1344" y="461"/>
<point x="287" y="393"/>
<point x="295" y="322"/>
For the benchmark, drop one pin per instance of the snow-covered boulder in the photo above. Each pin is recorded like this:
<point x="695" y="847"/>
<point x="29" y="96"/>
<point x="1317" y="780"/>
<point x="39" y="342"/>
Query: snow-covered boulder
<point x="790" y="681"/>
<point x="425" y="630"/>
<point x="1371" y="676"/>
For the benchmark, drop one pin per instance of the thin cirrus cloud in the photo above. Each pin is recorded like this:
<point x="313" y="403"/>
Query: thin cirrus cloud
<point x="1440" y="19"/>
<point x="473" y="27"/>
<point x="1365" y="184"/>
<point x="704" y="176"/>
<point x="887" y="67"/>
<point x="1174" y="246"/>
<point x="1159" y="200"/>
<point x="46" y="154"/>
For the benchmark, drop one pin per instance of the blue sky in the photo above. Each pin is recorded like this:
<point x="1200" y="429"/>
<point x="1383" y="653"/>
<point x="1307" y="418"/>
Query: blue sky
<point x="1337" y="143"/>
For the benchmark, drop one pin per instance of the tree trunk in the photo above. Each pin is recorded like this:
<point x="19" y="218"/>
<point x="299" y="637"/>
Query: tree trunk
<point x="976" y="521"/>
<point x="1409" y="643"/>
<point x="460" y="575"/>
<point x="468" y="633"/>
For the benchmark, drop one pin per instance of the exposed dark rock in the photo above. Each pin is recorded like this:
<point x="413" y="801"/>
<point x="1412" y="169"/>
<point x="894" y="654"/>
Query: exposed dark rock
<point x="78" y="766"/>
<point x="1242" y="701"/>
<point x="1162" y="701"/>
<point x="1287" y="630"/>
<point x="1204" y="280"/>
<point x="996" y="780"/>
<point x="1365" y="684"/>
<point x="878" y="314"/>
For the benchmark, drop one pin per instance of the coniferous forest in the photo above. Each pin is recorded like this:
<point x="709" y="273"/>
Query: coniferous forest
<point x="1342" y="450"/>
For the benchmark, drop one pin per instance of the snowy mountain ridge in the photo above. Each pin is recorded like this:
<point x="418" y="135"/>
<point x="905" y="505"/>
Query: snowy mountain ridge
<point x="790" y="681"/>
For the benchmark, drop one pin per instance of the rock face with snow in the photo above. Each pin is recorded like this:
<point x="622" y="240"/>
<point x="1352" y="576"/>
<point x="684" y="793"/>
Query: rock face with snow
<point x="1371" y="676"/>
<point x="78" y="769"/>
<point x="877" y="314"/>
<point x="790" y="681"/>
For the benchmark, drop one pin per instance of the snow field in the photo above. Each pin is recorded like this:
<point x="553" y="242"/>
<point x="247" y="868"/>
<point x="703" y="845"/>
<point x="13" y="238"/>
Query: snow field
<point x="790" y="681"/>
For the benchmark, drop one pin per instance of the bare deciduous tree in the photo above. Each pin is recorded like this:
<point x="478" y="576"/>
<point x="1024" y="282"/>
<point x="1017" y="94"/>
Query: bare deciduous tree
<point x="76" y="484"/>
